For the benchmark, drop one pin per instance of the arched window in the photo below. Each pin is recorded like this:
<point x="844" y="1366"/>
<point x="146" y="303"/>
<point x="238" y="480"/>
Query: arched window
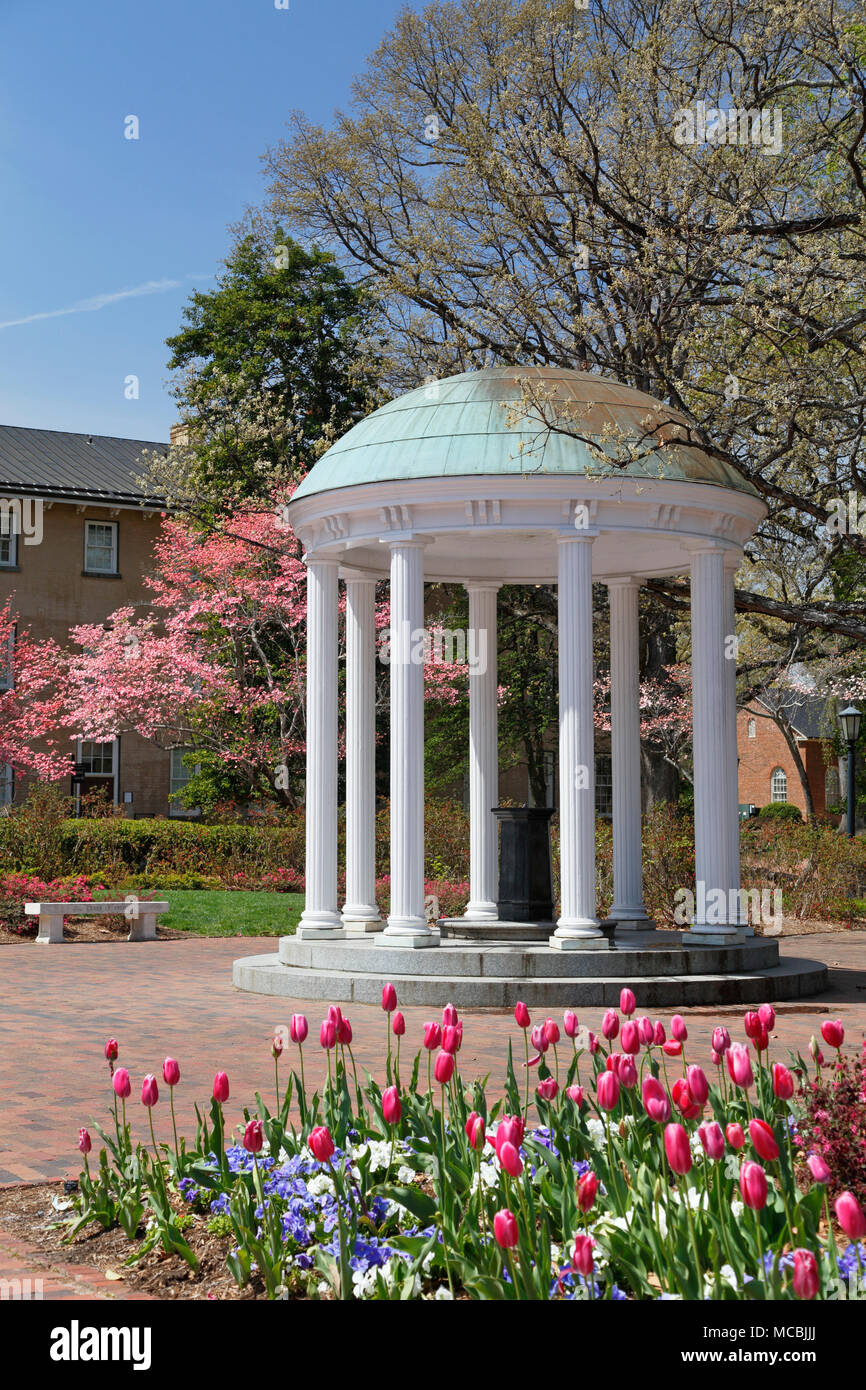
<point x="753" y="728"/>
<point x="779" y="785"/>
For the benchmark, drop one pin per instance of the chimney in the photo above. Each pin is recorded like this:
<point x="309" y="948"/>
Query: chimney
<point x="179" y="435"/>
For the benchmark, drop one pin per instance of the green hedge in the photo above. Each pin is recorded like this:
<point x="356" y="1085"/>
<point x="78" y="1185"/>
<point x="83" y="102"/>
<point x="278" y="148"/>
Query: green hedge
<point x="112" y="846"/>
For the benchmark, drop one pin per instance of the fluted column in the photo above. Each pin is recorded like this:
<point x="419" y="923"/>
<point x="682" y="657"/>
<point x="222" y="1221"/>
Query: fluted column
<point x="628" y="907"/>
<point x="407" y="925"/>
<point x="577" y="926"/>
<point x="710" y="695"/>
<point x="737" y="914"/>
<point x="360" y="913"/>
<point x="483" y="753"/>
<point x="320" y="917"/>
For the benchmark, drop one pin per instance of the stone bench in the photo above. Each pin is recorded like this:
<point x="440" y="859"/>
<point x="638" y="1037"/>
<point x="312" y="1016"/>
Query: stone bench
<point x="140" y="914"/>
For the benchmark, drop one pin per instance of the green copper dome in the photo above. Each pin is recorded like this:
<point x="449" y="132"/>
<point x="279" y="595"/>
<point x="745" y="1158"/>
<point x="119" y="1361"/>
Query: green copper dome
<point x="460" y="427"/>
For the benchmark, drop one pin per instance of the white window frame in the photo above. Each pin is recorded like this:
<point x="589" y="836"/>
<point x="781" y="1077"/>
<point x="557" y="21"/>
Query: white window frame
<point x="112" y="527"/>
<point x="752" y="728"/>
<point x="775" y="775"/>
<point x="7" y="784"/>
<point x="177" y="783"/>
<point x="114" y="744"/>
<point x="10" y="538"/>
<point x="7" y="667"/>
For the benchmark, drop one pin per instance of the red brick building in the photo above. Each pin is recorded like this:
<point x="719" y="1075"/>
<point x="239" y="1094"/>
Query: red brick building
<point x="767" y="768"/>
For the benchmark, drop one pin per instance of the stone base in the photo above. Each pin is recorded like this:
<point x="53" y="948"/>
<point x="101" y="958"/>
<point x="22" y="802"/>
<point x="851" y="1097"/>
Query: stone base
<point x="320" y="933"/>
<point x="410" y="941"/>
<point x="711" y="938"/>
<point x="360" y="926"/>
<point x="633" y="924"/>
<point x="579" y="943"/>
<point x="471" y="929"/>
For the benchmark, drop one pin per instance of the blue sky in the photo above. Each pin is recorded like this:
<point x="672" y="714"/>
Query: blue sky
<point x="87" y="215"/>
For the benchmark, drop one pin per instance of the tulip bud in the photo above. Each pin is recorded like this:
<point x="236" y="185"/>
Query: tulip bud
<point x="783" y="1082"/>
<point x="655" y="1100"/>
<point x="699" y="1086"/>
<point x="344" y="1033"/>
<point x="432" y="1036"/>
<point x="849" y="1213"/>
<point x="510" y="1159"/>
<point x="659" y="1034"/>
<point x="627" y="1003"/>
<point x="672" y="1048"/>
<point x="547" y="1088"/>
<point x="721" y="1039"/>
<point x="551" y="1031"/>
<point x="253" y="1136"/>
<point x="645" y="1030"/>
<point x="443" y="1068"/>
<point x="328" y="1034"/>
<point x="677" y="1148"/>
<point x="678" y="1028"/>
<point x="712" y="1140"/>
<point x="576" y="1093"/>
<point x="335" y="1016"/>
<point x="594" y="1044"/>
<point x="398" y="1025"/>
<point x="761" y="1040"/>
<point x="475" y="1131"/>
<point x="833" y="1033"/>
<point x="739" y="1065"/>
<point x="277" y="1046"/>
<point x="583" y="1261"/>
<point x="610" y="1024"/>
<point x="607" y="1090"/>
<point x="717" y="1058"/>
<point x="753" y="1185"/>
<point x="538" y="1038"/>
<point x="298" y="1029"/>
<point x="121" y="1083"/>
<point x="392" y="1108"/>
<point x="683" y="1100"/>
<point x="149" y="1091"/>
<point x="505" y="1229"/>
<point x="807" y="1281"/>
<point x="570" y="1023"/>
<point x="111" y="1050"/>
<point x="735" y="1136"/>
<point x="221" y="1087"/>
<point x="321" y="1144"/>
<point x="764" y="1140"/>
<point x="630" y="1038"/>
<point x="587" y="1187"/>
<point x="627" y="1073"/>
<point x="389" y="998"/>
<point x="767" y="1015"/>
<point x="170" y="1072"/>
<point x="84" y="1141"/>
<point x="449" y="1016"/>
<point x="752" y="1023"/>
<point x="521" y="1015"/>
<point x="818" y="1168"/>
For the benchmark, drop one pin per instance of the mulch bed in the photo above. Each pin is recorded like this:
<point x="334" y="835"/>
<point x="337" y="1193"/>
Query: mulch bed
<point x="28" y="1214"/>
<point x="88" y="929"/>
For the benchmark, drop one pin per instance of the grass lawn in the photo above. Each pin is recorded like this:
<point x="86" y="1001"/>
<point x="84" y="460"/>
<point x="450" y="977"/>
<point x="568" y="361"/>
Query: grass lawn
<point x="212" y="912"/>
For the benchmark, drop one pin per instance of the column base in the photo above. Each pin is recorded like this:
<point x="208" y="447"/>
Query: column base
<point x="410" y="932"/>
<point x="359" y="920"/>
<point x="481" y="912"/>
<point x="631" y="918"/>
<point x="582" y="935"/>
<point x="320" y="926"/>
<point x="711" y="936"/>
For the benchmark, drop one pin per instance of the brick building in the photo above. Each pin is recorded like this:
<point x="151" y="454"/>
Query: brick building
<point x="767" y="769"/>
<point x="75" y="544"/>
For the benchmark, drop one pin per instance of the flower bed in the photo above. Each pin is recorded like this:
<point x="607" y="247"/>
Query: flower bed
<point x="615" y="1167"/>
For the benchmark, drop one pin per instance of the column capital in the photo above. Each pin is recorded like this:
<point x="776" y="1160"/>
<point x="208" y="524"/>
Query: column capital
<point x="623" y="581"/>
<point x="585" y="533"/>
<point x="405" y="540"/>
<point x="703" y="545"/>
<point x="358" y="576"/>
<point x="332" y="561"/>
<point x="482" y="586"/>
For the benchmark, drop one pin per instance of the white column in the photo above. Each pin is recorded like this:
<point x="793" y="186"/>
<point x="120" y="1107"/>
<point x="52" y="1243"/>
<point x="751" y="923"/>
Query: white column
<point x="320" y="917"/>
<point x="732" y="563"/>
<point x="407" y="925"/>
<point x="577" y="926"/>
<point x="360" y="913"/>
<point x="710" y="695"/>
<point x="628" y="906"/>
<point x="483" y="753"/>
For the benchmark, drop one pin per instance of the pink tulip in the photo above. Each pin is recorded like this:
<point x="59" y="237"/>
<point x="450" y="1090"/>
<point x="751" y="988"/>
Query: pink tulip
<point x="682" y="1099"/>
<point x="594" y="1044"/>
<point x="712" y="1140"/>
<point x="783" y="1082"/>
<point x="627" y="1073"/>
<point x="627" y="1003"/>
<point x="505" y="1229"/>
<point x="717" y="1057"/>
<point x="807" y="1281"/>
<point x="752" y="1023"/>
<point x="121" y="1083"/>
<point x="614" y="1062"/>
<point x="849" y="1213"/>
<point x="583" y="1261"/>
<point x="321" y="1144"/>
<point x="645" y="1030"/>
<point x="432" y="1036"/>
<point x="149" y="1090"/>
<point x="818" y="1168"/>
<point x="450" y="1038"/>
<point x="170" y="1072"/>
<point x="335" y="1016"/>
<point x="547" y="1088"/>
<point x="767" y="1015"/>
<point x="739" y="1065"/>
<point x="398" y="1025"/>
<point x="111" y="1050"/>
<point x="344" y="1033"/>
<point x="570" y="1023"/>
<point x="508" y="1131"/>
<point x="538" y="1038"/>
<point x="610" y="1024"/>
<point x="659" y="1034"/>
<point x="655" y="1100"/>
<point x="443" y="1067"/>
<point x="298" y="1029"/>
<point x="328" y="1034"/>
<point x="753" y="1185"/>
<point x="475" y="1130"/>
<point x="677" y="1148"/>
<point x="672" y="1048"/>
<point x="761" y="1040"/>
<point x="607" y="1090"/>
<point x="221" y="1087"/>
<point x="679" y="1029"/>
<point x="84" y="1141"/>
<point x="253" y="1136"/>
<point x="576" y="1093"/>
<point x="833" y="1033"/>
<point x="721" y="1039"/>
<point x="389" y="998"/>
<point x="551" y="1031"/>
<point x="587" y="1188"/>
<point x="699" y="1086"/>
<point x="735" y="1136"/>
<point x="276" y="1046"/>
<point x="449" y="1016"/>
<point x="521" y="1015"/>
<point x="392" y="1109"/>
<point x="510" y="1159"/>
<point x="630" y="1038"/>
<point x="764" y="1140"/>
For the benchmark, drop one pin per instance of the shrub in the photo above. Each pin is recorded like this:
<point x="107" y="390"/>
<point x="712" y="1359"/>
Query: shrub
<point x="831" y="1123"/>
<point x="18" y="889"/>
<point x="780" y="810"/>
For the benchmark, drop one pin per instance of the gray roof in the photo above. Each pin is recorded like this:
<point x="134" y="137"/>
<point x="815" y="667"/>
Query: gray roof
<point x="90" y="467"/>
<point x="806" y="715"/>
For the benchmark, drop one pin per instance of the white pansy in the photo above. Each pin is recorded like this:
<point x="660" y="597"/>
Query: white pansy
<point x="405" y="1174"/>
<point x="443" y="1293"/>
<point x="737" y="1208"/>
<point x="320" y="1184"/>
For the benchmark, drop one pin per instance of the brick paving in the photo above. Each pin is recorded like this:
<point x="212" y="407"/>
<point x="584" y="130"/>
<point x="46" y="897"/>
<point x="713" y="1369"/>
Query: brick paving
<point x="176" y="998"/>
<point x="26" y="1273"/>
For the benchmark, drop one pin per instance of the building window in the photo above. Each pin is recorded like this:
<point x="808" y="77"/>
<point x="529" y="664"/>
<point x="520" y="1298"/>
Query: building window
<point x="779" y="785"/>
<point x="179" y="777"/>
<point x="7" y="663"/>
<point x="753" y="728"/>
<point x="100" y="547"/>
<point x="97" y="759"/>
<point x="8" y="542"/>
<point x="603" y="785"/>
<point x="7" y="784"/>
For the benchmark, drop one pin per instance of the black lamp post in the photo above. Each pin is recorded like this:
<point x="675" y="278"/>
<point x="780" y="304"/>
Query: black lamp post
<point x="849" y="720"/>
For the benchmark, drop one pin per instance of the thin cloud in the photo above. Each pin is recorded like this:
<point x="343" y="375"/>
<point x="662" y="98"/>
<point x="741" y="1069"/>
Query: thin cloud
<point x="100" y="301"/>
